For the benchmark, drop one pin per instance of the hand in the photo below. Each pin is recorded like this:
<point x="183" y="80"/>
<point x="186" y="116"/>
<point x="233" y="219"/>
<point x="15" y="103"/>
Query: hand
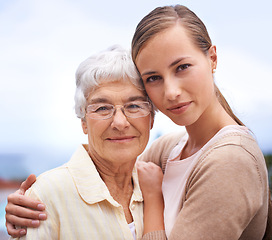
<point x="22" y="211"/>
<point x="150" y="178"/>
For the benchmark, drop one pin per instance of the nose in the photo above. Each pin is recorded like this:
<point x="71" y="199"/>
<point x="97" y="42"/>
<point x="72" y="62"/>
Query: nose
<point x="119" y="120"/>
<point x="172" y="88"/>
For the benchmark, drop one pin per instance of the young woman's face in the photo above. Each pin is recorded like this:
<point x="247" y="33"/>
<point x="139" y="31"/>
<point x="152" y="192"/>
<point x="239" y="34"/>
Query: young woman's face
<point x="177" y="75"/>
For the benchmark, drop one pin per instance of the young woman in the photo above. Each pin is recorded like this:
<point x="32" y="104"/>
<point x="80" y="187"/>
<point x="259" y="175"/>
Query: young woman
<point x="215" y="183"/>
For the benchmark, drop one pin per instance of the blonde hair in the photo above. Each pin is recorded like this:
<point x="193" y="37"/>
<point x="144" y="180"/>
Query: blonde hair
<point x="162" y="18"/>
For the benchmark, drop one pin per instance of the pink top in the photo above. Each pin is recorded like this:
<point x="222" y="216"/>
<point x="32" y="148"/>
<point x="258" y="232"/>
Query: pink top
<point x="177" y="172"/>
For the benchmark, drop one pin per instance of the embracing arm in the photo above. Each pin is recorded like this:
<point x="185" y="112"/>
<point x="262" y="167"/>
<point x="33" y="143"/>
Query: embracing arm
<point x="43" y="191"/>
<point x="22" y="211"/>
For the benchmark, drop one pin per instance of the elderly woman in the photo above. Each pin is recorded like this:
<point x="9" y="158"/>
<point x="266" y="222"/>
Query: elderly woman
<point x="96" y="194"/>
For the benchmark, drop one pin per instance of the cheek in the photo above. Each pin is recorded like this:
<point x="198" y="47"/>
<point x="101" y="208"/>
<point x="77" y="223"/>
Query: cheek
<point x="201" y="81"/>
<point x="155" y="94"/>
<point x="144" y="129"/>
<point x="207" y="85"/>
<point x="95" y="131"/>
<point x="93" y="139"/>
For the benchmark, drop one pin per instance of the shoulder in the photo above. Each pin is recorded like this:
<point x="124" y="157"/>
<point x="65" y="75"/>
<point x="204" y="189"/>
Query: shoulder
<point x="50" y="183"/>
<point x="236" y="148"/>
<point x="60" y="179"/>
<point x="236" y="157"/>
<point x="58" y="174"/>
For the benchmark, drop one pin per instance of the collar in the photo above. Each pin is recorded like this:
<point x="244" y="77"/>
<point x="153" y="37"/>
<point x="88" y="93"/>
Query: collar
<point x="88" y="182"/>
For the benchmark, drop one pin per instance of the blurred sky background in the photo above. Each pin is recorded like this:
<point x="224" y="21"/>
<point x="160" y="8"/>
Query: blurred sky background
<point x="43" y="42"/>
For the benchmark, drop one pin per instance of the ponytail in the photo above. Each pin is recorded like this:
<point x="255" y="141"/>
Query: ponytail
<point x="226" y="106"/>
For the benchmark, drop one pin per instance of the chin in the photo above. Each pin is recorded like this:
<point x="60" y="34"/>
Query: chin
<point x="180" y="121"/>
<point x="184" y="120"/>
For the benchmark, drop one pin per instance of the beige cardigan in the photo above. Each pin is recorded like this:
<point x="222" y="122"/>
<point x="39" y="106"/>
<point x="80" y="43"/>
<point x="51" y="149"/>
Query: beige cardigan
<point x="226" y="194"/>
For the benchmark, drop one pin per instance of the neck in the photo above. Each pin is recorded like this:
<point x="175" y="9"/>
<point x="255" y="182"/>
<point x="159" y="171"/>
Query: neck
<point x="209" y="123"/>
<point x="116" y="176"/>
<point x="118" y="181"/>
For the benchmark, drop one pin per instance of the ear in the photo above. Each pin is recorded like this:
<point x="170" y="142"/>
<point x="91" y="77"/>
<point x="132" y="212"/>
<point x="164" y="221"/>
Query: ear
<point x="84" y="126"/>
<point x="213" y="57"/>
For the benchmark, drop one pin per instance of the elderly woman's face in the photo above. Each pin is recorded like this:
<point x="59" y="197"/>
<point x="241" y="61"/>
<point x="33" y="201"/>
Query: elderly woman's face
<point x="118" y="138"/>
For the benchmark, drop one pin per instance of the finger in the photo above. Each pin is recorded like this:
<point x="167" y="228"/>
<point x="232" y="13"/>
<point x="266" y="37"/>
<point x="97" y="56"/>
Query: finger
<point x="21" y="212"/>
<point x="27" y="183"/>
<point x="26" y="202"/>
<point x="141" y="164"/>
<point x="151" y="164"/>
<point x="12" y="231"/>
<point x="146" y="167"/>
<point x="21" y="222"/>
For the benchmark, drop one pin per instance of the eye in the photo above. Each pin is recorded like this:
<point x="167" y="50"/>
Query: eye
<point x="183" y="67"/>
<point x="99" y="108"/>
<point x="152" y="79"/>
<point x="133" y="107"/>
<point x="102" y="108"/>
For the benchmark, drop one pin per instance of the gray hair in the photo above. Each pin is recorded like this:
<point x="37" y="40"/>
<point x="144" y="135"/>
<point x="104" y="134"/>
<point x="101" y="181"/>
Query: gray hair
<point x="113" y="64"/>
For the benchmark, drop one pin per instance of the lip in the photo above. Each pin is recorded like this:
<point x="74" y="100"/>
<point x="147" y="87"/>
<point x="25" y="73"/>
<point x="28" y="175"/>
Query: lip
<point x="120" y="139"/>
<point x="179" y="108"/>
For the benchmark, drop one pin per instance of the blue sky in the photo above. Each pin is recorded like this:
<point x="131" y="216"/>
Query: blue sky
<point x="43" y="42"/>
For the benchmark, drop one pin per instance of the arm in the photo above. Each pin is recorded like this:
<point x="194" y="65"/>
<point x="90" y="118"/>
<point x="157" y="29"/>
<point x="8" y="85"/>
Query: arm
<point x="150" y="179"/>
<point x="23" y="211"/>
<point x="223" y="194"/>
<point x="49" y="229"/>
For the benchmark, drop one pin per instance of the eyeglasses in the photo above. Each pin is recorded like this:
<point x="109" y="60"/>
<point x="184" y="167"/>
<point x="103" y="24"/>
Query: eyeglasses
<point x="130" y="110"/>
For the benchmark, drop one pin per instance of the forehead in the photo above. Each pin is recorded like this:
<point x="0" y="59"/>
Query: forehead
<point x="116" y="92"/>
<point x="166" y="46"/>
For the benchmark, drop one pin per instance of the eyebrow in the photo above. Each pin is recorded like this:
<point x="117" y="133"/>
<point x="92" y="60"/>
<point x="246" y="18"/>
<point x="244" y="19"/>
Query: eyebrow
<point x="148" y="73"/>
<point x="177" y="61"/>
<point x="99" y="100"/>
<point x="137" y="98"/>
<point x="106" y="100"/>
<point x="171" y="65"/>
